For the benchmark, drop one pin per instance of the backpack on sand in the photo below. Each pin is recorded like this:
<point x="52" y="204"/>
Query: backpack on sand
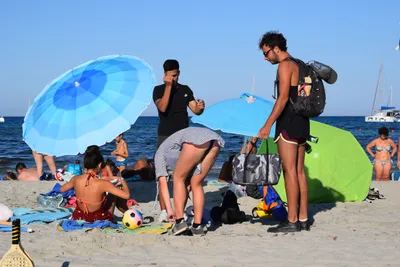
<point x="311" y="97"/>
<point x="271" y="205"/>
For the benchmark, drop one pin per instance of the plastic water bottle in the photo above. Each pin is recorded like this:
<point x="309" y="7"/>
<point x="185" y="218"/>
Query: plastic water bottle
<point x="313" y="139"/>
<point x="240" y="191"/>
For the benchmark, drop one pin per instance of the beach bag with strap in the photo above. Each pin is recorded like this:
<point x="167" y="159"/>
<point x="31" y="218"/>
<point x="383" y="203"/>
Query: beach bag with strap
<point x="311" y="96"/>
<point x="256" y="169"/>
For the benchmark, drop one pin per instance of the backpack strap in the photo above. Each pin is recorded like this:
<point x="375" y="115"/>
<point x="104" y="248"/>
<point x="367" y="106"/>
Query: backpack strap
<point x="299" y="64"/>
<point x="277" y="75"/>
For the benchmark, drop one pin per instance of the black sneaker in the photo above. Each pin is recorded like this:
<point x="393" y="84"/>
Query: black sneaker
<point x="285" y="227"/>
<point x="304" y="226"/>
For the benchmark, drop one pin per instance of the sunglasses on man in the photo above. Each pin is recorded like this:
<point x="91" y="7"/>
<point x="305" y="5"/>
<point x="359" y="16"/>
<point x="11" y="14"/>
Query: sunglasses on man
<point x="266" y="53"/>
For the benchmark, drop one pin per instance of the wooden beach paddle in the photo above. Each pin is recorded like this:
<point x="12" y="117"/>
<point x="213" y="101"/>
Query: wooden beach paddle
<point x="16" y="255"/>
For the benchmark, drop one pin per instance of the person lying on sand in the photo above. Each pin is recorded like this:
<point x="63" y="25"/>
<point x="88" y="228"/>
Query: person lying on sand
<point x="92" y="201"/>
<point x="30" y="174"/>
<point x="144" y="168"/>
<point x="9" y="176"/>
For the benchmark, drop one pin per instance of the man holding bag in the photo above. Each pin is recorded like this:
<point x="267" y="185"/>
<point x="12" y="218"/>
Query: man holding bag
<point x="292" y="131"/>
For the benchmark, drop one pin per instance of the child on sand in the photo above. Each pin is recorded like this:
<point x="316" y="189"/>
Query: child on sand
<point x="121" y="152"/>
<point x="93" y="203"/>
<point x="109" y="170"/>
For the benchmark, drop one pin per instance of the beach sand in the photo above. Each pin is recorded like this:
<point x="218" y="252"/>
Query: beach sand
<point x="343" y="234"/>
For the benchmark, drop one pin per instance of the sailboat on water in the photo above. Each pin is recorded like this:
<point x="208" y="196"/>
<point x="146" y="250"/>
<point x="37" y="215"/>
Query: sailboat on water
<point x="387" y="113"/>
<point x="1" y="119"/>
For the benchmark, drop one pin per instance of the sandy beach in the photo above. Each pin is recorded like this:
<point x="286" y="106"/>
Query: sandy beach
<point x="343" y="234"/>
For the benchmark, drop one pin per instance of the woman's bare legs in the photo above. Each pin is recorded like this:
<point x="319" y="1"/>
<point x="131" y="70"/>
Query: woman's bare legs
<point x="190" y="156"/>
<point x="197" y="180"/>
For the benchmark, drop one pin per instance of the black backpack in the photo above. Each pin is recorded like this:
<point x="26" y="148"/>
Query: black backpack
<point x="311" y="98"/>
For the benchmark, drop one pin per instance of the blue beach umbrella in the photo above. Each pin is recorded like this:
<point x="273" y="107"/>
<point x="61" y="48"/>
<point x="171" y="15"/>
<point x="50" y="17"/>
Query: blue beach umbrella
<point x="89" y="105"/>
<point x="244" y="115"/>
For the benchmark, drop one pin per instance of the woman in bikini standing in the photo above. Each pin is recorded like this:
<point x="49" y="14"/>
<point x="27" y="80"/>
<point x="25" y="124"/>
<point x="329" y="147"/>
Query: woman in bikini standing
<point x="382" y="156"/>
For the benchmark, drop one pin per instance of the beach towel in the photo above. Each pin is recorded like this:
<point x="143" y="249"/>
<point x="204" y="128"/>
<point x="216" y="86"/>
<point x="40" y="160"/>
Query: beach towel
<point x="29" y="216"/>
<point x="145" y="229"/>
<point x="72" y="225"/>
<point x="8" y="228"/>
<point x="215" y="183"/>
<point x="109" y="227"/>
<point x="56" y="191"/>
<point x="25" y="211"/>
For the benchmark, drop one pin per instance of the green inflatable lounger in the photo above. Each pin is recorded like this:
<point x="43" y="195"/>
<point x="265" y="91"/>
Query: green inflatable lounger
<point x="337" y="168"/>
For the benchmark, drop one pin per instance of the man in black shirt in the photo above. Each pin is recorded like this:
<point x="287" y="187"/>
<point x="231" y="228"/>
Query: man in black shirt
<point x="172" y="100"/>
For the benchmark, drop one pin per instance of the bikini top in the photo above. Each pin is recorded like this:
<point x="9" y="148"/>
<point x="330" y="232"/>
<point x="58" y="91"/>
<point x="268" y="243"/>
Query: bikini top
<point x="84" y="202"/>
<point x="381" y="148"/>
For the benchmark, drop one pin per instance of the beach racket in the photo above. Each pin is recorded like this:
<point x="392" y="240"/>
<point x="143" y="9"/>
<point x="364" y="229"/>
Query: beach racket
<point x="16" y="255"/>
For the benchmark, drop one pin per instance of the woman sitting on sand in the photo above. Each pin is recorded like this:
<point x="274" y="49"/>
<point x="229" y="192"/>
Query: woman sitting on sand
<point x="382" y="156"/>
<point x="188" y="156"/>
<point x="90" y="191"/>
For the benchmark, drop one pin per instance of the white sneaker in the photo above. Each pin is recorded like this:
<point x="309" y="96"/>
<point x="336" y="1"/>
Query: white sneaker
<point x="163" y="218"/>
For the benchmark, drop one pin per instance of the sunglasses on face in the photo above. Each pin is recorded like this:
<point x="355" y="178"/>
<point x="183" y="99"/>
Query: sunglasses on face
<point x="266" y="53"/>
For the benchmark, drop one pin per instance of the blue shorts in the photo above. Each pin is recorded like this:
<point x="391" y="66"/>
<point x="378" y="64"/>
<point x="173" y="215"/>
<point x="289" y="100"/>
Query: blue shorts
<point x="120" y="163"/>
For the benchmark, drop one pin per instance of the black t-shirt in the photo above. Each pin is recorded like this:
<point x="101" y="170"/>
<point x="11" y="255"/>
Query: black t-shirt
<point x="176" y="117"/>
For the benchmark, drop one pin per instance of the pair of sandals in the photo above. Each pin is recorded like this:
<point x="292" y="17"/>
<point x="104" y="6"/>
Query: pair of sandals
<point x="374" y="194"/>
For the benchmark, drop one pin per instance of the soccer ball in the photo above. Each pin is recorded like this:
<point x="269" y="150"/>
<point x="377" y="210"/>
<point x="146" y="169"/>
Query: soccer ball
<point x="132" y="219"/>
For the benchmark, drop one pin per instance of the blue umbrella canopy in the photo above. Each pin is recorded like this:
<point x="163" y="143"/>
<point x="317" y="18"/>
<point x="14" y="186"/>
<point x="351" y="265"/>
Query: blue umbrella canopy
<point x="89" y="105"/>
<point x="244" y="115"/>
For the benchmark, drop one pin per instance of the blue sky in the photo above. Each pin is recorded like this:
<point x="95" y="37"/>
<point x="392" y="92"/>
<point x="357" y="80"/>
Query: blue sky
<point x="216" y="43"/>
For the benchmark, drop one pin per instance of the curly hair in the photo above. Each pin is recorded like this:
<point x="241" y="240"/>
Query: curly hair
<point x="383" y="131"/>
<point x="272" y="39"/>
